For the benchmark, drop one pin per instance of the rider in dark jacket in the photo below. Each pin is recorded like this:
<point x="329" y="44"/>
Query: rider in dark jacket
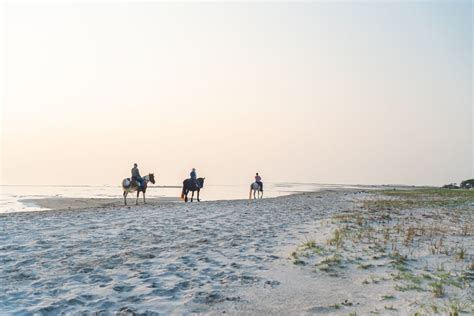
<point x="136" y="175"/>
<point x="193" y="176"/>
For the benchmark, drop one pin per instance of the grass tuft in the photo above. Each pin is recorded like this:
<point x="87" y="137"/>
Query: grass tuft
<point x="437" y="289"/>
<point x="461" y="254"/>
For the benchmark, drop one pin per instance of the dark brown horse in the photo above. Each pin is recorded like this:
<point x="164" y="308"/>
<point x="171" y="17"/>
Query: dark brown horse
<point x="132" y="186"/>
<point x="191" y="185"/>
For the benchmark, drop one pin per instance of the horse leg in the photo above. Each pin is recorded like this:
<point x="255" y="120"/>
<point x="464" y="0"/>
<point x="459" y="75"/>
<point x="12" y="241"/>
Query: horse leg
<point x="138" y="193"/>
<point x="144" y="202"/>
<point x="198" y="196"/>
<point x="192" y="196"/>
<point x="125" y="197"/>
<point x="186" y="196"/>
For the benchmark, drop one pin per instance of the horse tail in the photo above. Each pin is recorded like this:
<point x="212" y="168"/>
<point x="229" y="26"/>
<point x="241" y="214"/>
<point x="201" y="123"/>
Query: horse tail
<point x="182" y="192"/>
<point x="250" y="193"/>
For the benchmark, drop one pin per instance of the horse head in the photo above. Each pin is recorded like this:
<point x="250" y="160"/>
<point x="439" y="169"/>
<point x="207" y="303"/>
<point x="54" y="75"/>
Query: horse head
<point x="152" y="178"/>
<point x="201" y="182"/>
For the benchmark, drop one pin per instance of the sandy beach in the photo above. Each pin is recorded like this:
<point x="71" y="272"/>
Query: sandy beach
<point x="353" y="119"/>
<point x="330" y="252"/>
<point x="61" y="203"/>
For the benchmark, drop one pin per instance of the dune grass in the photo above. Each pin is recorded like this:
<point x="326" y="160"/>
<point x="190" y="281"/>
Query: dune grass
<point x="412" y="240"/>
<point x="420" y="198"/>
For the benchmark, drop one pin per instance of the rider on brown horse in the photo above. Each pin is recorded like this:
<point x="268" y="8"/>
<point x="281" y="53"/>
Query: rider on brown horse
<point x="193" y="176"/>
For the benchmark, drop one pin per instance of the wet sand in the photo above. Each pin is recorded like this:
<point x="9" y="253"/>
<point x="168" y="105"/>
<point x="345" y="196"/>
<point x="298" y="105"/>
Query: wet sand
<point x="62" y="203"/>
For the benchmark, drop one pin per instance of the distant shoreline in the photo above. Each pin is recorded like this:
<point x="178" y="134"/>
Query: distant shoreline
<point x="82" y="186"/>
<point x="80" y="203"/>
<point x="83" y="197"/>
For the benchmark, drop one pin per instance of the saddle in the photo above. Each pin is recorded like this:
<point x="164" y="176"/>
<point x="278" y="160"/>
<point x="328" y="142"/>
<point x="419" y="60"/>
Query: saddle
<point x="131" y="183"/>
<point x="195" y="182"/>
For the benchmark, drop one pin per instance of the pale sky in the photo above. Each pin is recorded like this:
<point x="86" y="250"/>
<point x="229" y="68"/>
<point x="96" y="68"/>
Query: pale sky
<point x="356" y="92"/>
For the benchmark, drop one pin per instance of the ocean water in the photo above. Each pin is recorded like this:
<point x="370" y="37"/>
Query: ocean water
<point x="12" y="196"/>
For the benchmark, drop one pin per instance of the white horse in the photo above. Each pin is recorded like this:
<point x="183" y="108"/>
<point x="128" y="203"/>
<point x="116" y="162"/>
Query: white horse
<point x="129" y="186"/>
<point x="255" y="187"/>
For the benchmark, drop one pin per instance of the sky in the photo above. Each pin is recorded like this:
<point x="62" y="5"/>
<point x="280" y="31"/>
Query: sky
<point x="328" y="92"/>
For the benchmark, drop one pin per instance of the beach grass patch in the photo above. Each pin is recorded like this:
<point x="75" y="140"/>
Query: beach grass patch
<point x="409" y="277"/>
<point x="335" y="306"/>
<point x="387" y="297"/>
<point x="451" y="279"/>
<point x="332" y="260"/>
<point x="408" y="287"/>
<point x="296" y="259"/>
<point x="437" y="289"/>
<point x="309" y="244"/>
<point x="365" y="266"/>
<point x="426" y="276"/>
<point x="466" y="230"/>
<point x="329" y="263"/>
<point x="461" y="253"/>
<point x="455" y="307"/>
<point x="409" y="236"/>
<point x="337" y="240"/>
<point x="420" y="198"/>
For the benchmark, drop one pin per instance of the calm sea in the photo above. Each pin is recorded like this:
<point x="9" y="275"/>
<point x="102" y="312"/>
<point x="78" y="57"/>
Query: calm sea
<point x="12" y="196"/>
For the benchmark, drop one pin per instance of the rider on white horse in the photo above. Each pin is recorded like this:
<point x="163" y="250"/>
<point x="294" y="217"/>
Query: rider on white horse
<point x="136" y="175"/>
<point x="258" y="179"/>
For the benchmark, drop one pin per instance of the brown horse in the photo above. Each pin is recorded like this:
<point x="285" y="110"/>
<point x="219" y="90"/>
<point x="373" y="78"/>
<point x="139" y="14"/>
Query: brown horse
<point x="191" y="185"/>
<point x="132" y="186"/>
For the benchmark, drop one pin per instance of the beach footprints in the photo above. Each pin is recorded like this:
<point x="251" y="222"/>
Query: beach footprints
<point x="123" y="288"/>
<point x="164" y="257"/>
<point x="271" y="283"/>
